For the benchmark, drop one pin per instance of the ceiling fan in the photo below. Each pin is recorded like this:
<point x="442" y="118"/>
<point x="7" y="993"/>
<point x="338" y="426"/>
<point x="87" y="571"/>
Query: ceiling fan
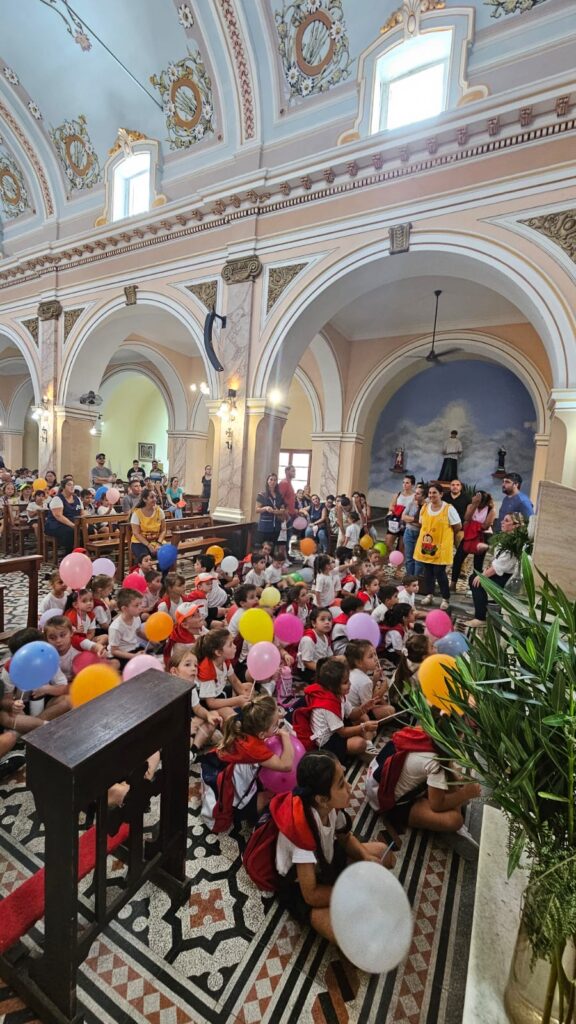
<point x="433" y="357"/>
<point x="91" y="398"/>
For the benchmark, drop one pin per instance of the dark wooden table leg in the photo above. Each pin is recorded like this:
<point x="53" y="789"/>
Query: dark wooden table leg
<point x="174" y="809"/>
<point x="32" y="574"/>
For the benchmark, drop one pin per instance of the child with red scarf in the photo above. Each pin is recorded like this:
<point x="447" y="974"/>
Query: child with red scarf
<point x="328" y="711"/>
<point x="79" y="611"/>
<point x="220" y="688"/>
<point x="189" y="626"/>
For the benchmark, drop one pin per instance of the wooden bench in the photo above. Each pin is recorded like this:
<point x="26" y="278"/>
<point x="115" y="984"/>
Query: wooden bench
<point x="191" y="538"/>
<point x="16" y="530"/>
<point x="97" y="545"/>
<point x="28" y="564"/>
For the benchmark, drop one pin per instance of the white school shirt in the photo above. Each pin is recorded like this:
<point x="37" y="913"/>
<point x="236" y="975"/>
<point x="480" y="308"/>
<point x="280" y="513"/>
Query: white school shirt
<point x="352" y="535"/>
<point x="6" y="684"/>
<point x="288" y="854"/>
<point x="323" y="723"/>
<point x="419" y="767"/>
<point x="51" y="601"/>
<point x="168" y="606"/>
<point x="272" y="575"/>
<point x="66" y="663"/>
<point x="234" y="630"/>
<point x="102" y="615"/>
<point x="379" y="613"/>
<point x="217" y="596"/>
<point x="215" y="687"/>
<point x="124" y="635"/>
<point x="394" y="641"/>
<point x="255" y="579"/>
<point x="148" y="600"/>
<point x="405" y="598"/>
<point x="325" y="587"/>
<point x="361" y="688"/>
<point x="311" y="649"/>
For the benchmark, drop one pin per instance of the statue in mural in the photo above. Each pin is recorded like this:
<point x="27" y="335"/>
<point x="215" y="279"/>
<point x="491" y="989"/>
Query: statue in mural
<point x="452" y="451"/>
<point x="501" y="468"/>
<point x="398" y="466"/>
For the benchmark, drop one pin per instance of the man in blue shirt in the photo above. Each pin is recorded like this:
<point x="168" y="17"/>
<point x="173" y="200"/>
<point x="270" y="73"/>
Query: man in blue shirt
<point x="514" y="500"/>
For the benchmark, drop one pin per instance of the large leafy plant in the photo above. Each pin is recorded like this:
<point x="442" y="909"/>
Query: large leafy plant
<point x="516" y="691"/>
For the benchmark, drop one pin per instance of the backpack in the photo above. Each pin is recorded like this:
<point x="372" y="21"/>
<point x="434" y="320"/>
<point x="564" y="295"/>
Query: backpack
<point x="259" y="857"/>
<point x="391" y="762"/>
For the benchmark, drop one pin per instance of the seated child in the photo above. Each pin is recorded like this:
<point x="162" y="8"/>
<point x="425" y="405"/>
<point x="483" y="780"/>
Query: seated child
<point x="368" y="686"/>
<point x="232" y="786"/>
<point x="245" y="597"/>
<point x="80" y="611"/>
<point x="315" y="643"/>
<point x="203" y="585"/>
<point x="151" y="596"/>
<point x="145" y="563"/>
<point x="417" y="647"/>
<point x="388" y="598"/>
<point x="324" y="586"/>
<point x="59" y="632"/>
<point x="369" y="593"/>
<point x="273" y="573"/>
<point x="171" y="593"/>
<point x="328" y="710"/>
<point x="54" y="694"/>
<point x="13" y="721"/>
<point x="102" y="587"/>
<point x="189" y="626"/>
<point x="219" y="686"/>
<point x="255" y="576"/>
<point x="348" y="606"/>
<point x="125" y="634"/>
<point x="184" y="664"/>
<point x="352" y="581"/>
<point x="56" y="596"/>
<point x="298" y="601"/>
<point x="397" y="622"/>
<point x="407" y="590"/>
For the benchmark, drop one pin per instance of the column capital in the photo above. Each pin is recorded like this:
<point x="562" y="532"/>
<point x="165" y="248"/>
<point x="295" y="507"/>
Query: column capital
<point x="562" y="400"/>
<point x="541" y="440"/>
<point x="75" y="412"/>
<point x="49" y="309"/>
<point x="261" y="407"/>
<point x="337" y="435"/>
<point x="245" y="268"/>
<point x="11" y="433"/>
<point x="194" y="435"/>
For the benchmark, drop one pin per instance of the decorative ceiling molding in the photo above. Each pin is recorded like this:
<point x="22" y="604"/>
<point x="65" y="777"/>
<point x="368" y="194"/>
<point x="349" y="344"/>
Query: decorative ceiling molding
<point x="186" y="92"/>
<point x="70" y="318"/>
<point x="287" y="196"/>
<point x="242" y="66"/>
<point x="313" y="46"/>
<point x="76" y="153"/>
<point x="278" y="280"/>
<point x="205" y="291"/>
<point x="32" y="327"/>
<point x="408" y="15"/>
<point x="500" y="7"/>
<point x="30" y="151"/>
<point x="14" y="199"/>
<point x="560" y="228"/>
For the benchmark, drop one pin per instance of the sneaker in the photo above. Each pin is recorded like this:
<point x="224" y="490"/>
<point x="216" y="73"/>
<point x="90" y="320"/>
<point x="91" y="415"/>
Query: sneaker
<point x="464" y="833"/>
<point x="444" y="605"/>
<point x="371" y="749"/>
<point x="475" y="623"/>
<point x="427" y="600"/>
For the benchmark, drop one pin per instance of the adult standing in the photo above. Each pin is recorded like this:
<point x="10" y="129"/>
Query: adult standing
<point x="270" y="510"/>
<point x="411" y="520"/>
<point x="394" y="525"/>
<point x="156" y="475"/>
<point x="206" y="488"/>
<point x="457" y="498"/>
<point x="504" y="565"/>
<point x="132" y="496"/>
<point x="63" y="511"/>
<point x="318" y="523"/>
<point x="478" y="519"/>
<point x="101" y="475"/>
<point x="452" y="452"/>
<point x="514" y="499"/>
<point x="136" y="472"/>
<point x="287" y="491"/>
<point x="435" y="545"/>
<point x="51" y="478"/>
<point x="148" y="525"/>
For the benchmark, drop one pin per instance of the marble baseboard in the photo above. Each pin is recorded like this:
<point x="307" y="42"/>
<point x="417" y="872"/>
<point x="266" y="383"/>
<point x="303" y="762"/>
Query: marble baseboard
<point x="495" y="925"/>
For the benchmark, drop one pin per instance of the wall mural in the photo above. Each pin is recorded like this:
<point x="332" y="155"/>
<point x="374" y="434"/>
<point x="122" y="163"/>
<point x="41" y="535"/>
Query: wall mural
<point x="74" y="26"/>
<point x="76" y="153"/>
<point x="492" y="410"/>
<point x="186" y="91"/>
<point x="13" y="194"/>
<point x="313" y="45"/>
<point x="501" y="7"/>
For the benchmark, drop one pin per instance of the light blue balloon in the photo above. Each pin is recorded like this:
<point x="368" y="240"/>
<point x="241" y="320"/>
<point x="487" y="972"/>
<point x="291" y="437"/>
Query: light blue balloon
<point x="453" y="643"/>
<point x="34" y="665"/>
<point x="100" y="493"/>
<point x="307" y="574"/>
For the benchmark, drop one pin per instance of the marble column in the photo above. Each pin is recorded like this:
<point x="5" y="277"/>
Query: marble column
<point x="76" y="447"/>
<point x="50" y="324"/>
<point x="326" y="450"/>
<point x="12" y="448"/>
<point x="541" y="445"/>
<point x="187" y="457"/>
<point x="231" y="498"/>
<point x="264" y="441"/>
<point x="562" y="466"/>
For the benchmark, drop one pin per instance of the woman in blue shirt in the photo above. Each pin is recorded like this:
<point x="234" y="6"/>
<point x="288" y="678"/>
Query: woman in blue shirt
<point x="63" y="511"/>
<point x="271" y="511"/>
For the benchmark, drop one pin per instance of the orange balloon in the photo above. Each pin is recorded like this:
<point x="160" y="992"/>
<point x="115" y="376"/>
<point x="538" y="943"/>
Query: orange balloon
<point x="366" y="542"/>
<point x="91" y="682"/>
<point x="217" y="553"/>
<point x="158" y="627"/>
<point x="308" y="546"/>
<point x="433" y="676"/>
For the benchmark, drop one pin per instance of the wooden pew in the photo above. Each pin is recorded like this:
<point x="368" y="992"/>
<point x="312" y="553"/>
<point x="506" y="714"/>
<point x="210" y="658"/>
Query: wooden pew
<point x="95" y="544"/>
<point x="191" y="538"/>
<point x="28" y="564"/>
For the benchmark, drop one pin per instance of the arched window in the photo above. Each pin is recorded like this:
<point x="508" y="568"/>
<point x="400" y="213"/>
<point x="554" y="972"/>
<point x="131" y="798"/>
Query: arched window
<point x="411" y="81"/>
<point x="131" y="188"/>
<point x="132" y="177"/>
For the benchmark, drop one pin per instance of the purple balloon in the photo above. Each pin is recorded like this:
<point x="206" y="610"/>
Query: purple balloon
<point x="300" y="523"/>
<point x="141" y="663"/>
<point x="263" y="660"/>
<point x="281" y="782"/>
<point x="288" y="628"/>
<point x="362" y="626"/>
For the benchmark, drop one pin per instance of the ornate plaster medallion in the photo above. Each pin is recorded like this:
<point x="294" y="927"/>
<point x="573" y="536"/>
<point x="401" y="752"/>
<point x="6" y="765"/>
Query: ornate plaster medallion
<point x="186" y="92"/>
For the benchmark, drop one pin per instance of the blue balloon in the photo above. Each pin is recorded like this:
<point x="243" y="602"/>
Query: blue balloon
<point x="453" y="643"/>
<point x="167" y="555"/>
<point x="34" y="665"/>
<point x="100" y="493"/>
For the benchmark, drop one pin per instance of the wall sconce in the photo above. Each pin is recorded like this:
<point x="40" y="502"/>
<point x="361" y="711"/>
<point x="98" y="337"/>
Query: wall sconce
<point x="40" y="409"/>
<point x="227" y="411"/>
<point x="202" y="387"/>
<point x="96" y="426"/>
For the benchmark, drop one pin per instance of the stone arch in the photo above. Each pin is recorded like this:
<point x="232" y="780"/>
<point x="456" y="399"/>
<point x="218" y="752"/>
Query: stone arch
<point x="145" y="371"/>
<point x="31" y="359"/>
<point x="15" y="416"/>
<point x="312" y="396"/>
<point x="331" y="382"/>
<point x="462" y="256"/>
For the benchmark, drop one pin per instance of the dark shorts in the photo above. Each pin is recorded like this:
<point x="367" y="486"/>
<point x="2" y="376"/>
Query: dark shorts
<point x="337" y="745"/>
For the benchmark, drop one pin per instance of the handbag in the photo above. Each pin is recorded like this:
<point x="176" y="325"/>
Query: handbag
<point x="473" y="531"/>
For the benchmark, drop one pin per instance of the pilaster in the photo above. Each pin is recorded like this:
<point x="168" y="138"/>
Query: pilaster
<point x="50" y="328"/>
<point x="187" y="457"/>
<point x="561" y="464"/>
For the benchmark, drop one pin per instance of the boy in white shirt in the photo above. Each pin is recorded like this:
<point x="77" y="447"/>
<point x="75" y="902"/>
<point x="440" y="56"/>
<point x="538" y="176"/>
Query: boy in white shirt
<point x="125" y="632"/>
<point x="273" y="574"/>
<point x="255" y="577"/>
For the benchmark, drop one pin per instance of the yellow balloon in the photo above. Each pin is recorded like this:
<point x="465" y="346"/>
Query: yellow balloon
<point x="217" y="553"/>
<point x="40" y="484"/>
<point x="91" y="682"/>
<point x="270" y="597"/>
<point x="256" y="625"/>
<point x="366" y="542"/>
<point x="433" y="676"/>
<point x="158" y="627"/>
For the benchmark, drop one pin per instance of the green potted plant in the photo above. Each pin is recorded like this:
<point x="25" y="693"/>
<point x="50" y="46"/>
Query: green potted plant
<point x="516" y="694"/>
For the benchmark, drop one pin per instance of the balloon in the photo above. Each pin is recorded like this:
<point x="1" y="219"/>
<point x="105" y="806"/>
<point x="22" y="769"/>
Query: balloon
<point x="34" y="665"/>
<point x="217" y="553"/>
<point x="47" y="615"/>
<point x="100" y="492"/>
<point x="438" y="623"/>
<point x="158" y="627"/>
<point x="289" y="629"/>
<point x="92" y="682"/>
<point x="396" y="558"/>
<point x="166" y="555"/>
<point x="308" y="546"/>
<point x="307" y="574"/>
<point x="112" y="496"/>
<point x="371" y="917"/>
<point x="433" y="675"/>
<point x="141" y="663"/>
<point x="255" y="625"/>
<point x="281" y="782"/>
<point x="270" y="597"/>
<point x="381" y="548"/>
<point x="83" y="660"/>
<point x="134" y="581"/>
<point x="263" y="660"/>
<point x="181" y="503"/>
<point x="104" y="567"/>
<point x="452" y="643"/>
<point x="75" y="570"/>
<point x="40" y="484"/>
<point x="229" y="565"/>
<point x="296" y="577"/>
<point x="300" y="523"/>
<point x="362" y="626"/>
<point x="366" y="542"/>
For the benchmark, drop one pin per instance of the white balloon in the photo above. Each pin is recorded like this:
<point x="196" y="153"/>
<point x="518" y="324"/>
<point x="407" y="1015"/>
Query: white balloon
<point x="306" y="574"/>
<point x="229" y="564"/>
<point x="371" y="917"/>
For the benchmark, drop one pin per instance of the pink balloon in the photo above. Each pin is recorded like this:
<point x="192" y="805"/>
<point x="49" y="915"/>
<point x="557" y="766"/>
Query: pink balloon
<point x="362" y="626"/>
<point x="281" y="782"/>
<point x="395" y="558"/>
<point x="141" y="663"/>
<point x="75" y="570"/>
<point x="300" y="523"/>
<point x="112" y="496"/>
<point x="83" y="660"/>
<point x="104" y="567"/>
<point x="288" y="628"/>
<point x="134" y="581"/>
<point x="263" y="660"/>
<point x="438" y="623"/>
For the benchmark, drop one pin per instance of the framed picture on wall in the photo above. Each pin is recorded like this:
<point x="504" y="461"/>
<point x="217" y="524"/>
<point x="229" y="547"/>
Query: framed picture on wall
<point x="146" y="452"/>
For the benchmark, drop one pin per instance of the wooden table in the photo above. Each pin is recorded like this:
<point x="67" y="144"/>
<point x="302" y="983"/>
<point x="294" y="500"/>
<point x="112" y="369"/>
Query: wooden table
<point x="28" y="564"/>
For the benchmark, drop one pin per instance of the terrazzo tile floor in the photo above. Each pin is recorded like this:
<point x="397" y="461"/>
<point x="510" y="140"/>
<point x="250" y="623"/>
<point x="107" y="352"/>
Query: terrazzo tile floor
<point x="230" y="954"/>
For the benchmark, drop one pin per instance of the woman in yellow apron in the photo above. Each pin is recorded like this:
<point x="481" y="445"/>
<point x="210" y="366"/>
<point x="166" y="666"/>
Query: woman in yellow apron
<point x="148" y="525"/>
<point x="435" y="544"/>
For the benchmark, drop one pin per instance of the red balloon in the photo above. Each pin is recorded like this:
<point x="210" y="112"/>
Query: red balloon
<point x="136" y="582"/>
<point x="84" y="659"/>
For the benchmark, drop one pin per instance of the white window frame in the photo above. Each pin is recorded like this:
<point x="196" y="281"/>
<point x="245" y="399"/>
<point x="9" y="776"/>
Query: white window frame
<point x="122" y="182"/>
<point x="385" y="79"/>
<point x="138" y="145"/>
<point x="290" y="453"/>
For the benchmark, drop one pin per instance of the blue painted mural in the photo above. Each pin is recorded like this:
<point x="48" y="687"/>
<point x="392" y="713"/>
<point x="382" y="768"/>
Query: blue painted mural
<point x="488" y="406"/>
